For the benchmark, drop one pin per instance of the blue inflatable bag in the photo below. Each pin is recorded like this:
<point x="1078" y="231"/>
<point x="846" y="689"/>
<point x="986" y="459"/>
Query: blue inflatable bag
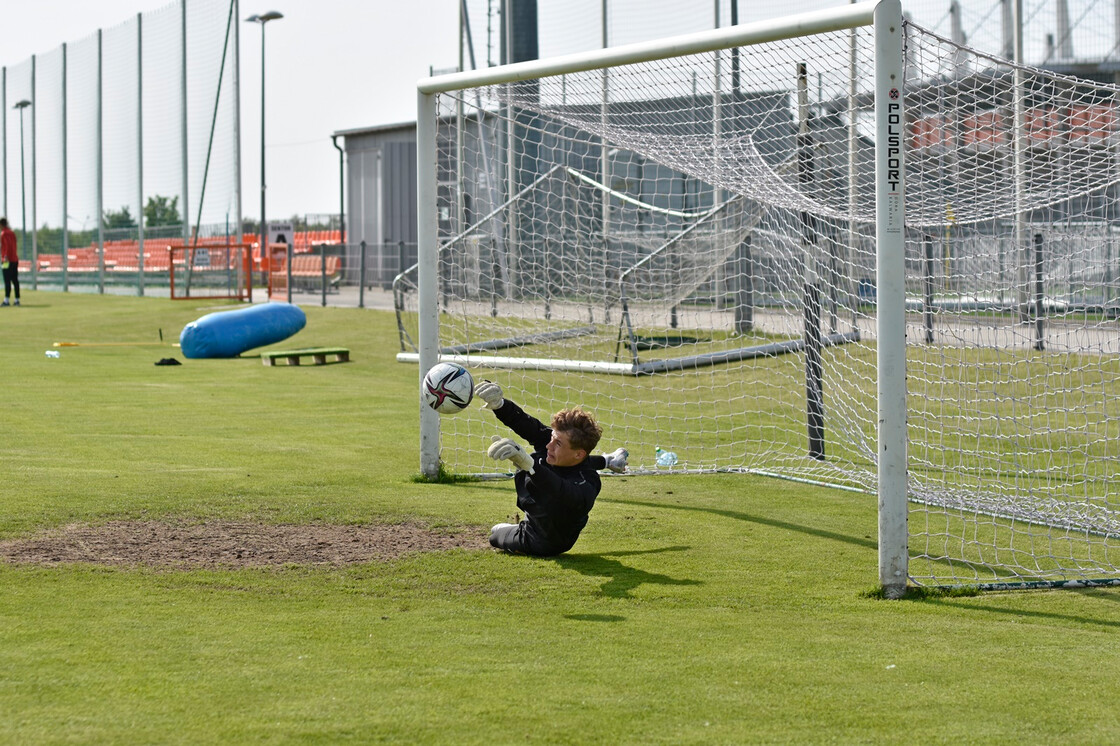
<point x="229" y="333"/>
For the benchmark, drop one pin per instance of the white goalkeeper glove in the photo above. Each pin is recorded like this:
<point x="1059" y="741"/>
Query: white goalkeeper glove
<point x="617" y="460"/>
<point x="505" y="448"/>
<point x="490" y="393"/>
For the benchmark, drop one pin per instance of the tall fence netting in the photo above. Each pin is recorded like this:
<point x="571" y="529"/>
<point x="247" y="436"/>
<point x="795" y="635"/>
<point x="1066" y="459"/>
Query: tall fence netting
<point x="129" y="145"/>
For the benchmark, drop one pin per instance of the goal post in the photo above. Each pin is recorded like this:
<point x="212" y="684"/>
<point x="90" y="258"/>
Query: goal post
<point x="890" y="267"/>
<point x="427" y="259"/>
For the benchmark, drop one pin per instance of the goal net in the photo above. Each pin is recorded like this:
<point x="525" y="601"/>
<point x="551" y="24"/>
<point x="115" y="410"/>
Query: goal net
<point x="692" y="248"/>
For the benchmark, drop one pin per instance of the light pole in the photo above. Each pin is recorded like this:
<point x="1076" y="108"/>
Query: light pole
<point x="262" y="19"/>
<point x="21" y="105"/>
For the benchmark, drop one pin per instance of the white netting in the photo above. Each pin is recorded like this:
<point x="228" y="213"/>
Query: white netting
<point x="690" y="254"/>
<point x="134" y="124"/>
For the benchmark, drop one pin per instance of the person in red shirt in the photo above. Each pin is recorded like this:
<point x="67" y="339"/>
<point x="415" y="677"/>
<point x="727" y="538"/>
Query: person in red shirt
<point x="9" y="260"/>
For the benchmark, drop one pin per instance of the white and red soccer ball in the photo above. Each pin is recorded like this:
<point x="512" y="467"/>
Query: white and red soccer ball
<point x="447" y="388"/>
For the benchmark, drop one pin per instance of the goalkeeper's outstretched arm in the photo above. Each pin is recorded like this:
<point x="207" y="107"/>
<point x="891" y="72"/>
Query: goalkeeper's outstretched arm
<point x="616" y="461"/>
<point x="537" y="433"/>
<point x="512" y="416"/>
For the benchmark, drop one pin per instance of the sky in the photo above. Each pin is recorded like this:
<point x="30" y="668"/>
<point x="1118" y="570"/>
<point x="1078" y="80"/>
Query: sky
<point x="331" y="65"/>
<point x="342" y="64"/>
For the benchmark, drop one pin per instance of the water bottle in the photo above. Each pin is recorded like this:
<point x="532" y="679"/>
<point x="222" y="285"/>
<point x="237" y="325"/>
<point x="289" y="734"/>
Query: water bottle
<point x="665" y="458"/>
<point x="53" y="353"/>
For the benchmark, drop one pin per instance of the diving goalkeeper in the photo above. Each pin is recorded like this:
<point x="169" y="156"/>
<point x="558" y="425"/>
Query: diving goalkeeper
<point x="557" y="483"/>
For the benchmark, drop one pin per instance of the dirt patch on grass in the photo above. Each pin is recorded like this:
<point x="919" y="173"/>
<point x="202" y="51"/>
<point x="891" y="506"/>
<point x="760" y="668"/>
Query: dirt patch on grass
<point x="224" y="544"/>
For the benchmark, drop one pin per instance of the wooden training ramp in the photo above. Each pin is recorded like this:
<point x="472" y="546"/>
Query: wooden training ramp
<point x="317" y="354"/>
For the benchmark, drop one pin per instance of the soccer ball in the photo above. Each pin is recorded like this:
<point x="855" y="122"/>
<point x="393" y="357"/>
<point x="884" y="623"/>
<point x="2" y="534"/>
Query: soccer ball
<point x="447" y="388"/>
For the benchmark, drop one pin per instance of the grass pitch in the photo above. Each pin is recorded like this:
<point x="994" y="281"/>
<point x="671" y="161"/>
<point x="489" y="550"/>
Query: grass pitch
<point x="709" y="609"/>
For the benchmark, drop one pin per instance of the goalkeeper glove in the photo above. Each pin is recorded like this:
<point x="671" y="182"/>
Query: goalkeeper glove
<point x="616" y="461"/>
<point x="505" y="448"/>
<point x="491" y="393"/>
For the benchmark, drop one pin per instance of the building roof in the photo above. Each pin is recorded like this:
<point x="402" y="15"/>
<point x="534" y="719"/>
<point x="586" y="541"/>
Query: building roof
<point x="375" y="129"/>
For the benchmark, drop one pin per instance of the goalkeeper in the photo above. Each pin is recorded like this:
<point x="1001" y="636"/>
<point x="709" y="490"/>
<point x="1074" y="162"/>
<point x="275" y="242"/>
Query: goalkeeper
<point x="557" y="483"/>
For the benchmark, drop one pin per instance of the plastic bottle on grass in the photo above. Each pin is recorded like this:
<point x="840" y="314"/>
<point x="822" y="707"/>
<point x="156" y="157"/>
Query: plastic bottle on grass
<point x="665" y="458"/>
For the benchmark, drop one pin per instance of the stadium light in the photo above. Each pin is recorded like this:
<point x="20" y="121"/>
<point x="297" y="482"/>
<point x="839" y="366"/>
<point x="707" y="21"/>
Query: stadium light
<point x="21" y="105"/>
<point x="262" y="19"/>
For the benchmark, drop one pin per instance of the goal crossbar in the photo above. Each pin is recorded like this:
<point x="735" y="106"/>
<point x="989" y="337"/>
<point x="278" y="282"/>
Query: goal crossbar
<point x="805" y="24"/>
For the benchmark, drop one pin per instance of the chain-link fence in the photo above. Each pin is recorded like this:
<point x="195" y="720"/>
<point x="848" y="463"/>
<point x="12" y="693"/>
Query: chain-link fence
<point x="334" y="274"/>
<point x="121" y="144"/>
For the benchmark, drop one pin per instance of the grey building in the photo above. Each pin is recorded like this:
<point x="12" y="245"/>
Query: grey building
<point x="381" y="184"/>
<point x="382" y="162"/>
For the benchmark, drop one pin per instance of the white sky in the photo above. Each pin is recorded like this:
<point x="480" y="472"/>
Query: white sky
<point x="341" y="64"/>
<point x="331" y="65"/>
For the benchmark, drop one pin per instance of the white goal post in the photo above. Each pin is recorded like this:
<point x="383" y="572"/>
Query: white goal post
<point x="885" y="18"/>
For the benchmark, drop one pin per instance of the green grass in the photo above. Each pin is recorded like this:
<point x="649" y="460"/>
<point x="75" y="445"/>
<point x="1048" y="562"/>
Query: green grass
<point x="708" y="609"/>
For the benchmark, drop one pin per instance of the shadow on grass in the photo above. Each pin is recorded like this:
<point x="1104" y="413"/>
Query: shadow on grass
<point x="1103" y="594"/>
<point x="964" y="605"/>
<point x="748" y="518"/>
<point x="621" y="579"/>
<point x="595" y="617"/>
<point x="487" y="485"/>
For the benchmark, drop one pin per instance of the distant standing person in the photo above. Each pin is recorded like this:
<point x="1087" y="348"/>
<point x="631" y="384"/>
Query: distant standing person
<point x="9" y="260"/>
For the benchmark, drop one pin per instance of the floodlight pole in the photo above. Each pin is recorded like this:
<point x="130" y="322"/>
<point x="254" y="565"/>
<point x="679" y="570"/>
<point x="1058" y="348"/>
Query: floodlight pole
<point x="262" y="19"/>
<point x="34" y="188"/>
<point x="21" y="105"/>
<point x="4" y="136"/>
<point x="65" y="193"/>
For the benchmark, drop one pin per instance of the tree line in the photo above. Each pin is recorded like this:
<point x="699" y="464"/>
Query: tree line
<point x="160" y="211"/>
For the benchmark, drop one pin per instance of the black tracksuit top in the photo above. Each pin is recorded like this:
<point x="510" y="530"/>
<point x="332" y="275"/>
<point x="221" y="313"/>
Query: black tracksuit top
<point x="556" y="500"/>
